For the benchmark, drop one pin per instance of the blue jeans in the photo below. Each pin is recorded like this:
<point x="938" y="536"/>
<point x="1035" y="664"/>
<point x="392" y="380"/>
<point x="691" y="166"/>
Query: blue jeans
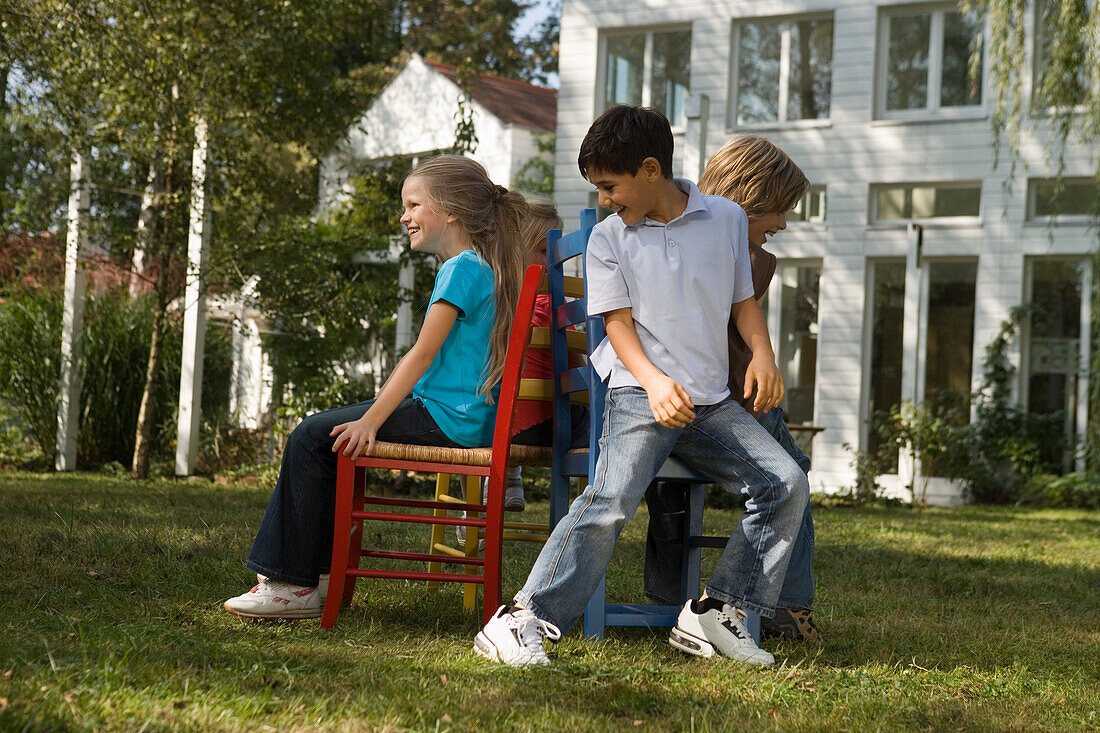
<point x="294" y="543"/>
<point x="664" y="540"/>
<point x="725" y="443"/>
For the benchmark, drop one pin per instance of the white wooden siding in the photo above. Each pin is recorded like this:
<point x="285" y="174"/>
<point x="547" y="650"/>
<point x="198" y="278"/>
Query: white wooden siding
<point x="848" y="153"/>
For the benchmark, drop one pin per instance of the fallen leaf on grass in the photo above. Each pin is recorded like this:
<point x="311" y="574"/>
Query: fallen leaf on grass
<point x="443" y="678"/>
<point x="447" y="719"/>
<point x="7" y="674"/>
<point x="638" y="722"/>
<point x="300" y="709"/>
<point x="3" y="703"/>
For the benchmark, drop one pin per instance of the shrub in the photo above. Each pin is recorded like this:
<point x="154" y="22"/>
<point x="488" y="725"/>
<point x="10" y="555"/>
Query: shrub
<point x="1080" y="490"/>
<point x="116" y="337"/>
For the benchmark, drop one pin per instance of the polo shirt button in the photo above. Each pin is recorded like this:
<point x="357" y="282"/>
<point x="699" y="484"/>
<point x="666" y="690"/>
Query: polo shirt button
<point x="671" y="243"/>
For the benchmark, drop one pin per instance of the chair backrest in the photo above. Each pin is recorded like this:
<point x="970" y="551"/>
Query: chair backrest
<point x="513" y="364"/>
<point x="568" y="306"/>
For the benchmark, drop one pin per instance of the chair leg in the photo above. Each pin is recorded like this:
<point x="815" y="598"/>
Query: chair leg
<point x="692" y="557"/>
<point x="494" y="546"/>
<point x="594" y="613"/>
<point x="469" y="590"/>
<point x="359" y="477"/>
<point x="437" y="536"/>
<point x="341" y="540"/>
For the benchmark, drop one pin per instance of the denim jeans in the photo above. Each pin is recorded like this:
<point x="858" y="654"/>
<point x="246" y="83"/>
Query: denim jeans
<point x="723" y="442"/>
<point x="294" y="543"/>
<point x="664" y="540"/>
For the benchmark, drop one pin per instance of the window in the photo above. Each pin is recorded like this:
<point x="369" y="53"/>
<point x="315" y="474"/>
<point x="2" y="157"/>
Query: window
<point x="886" y="286"/>
<point x="649" y="68"/>
<point x="925" y="62"/>
<point x="903" y="201"/>
<point x="1057" y="347"/>
<point x="811" y="207"/>
<point x="1061" y="57"/>
<point x="1065" y="197"/>
<point x="949" y="342"/>
<point x="797" y="357"/>
<point x="783" y="70"/>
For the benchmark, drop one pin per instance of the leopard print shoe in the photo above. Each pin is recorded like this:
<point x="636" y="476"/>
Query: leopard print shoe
<point x="796" y="624"/>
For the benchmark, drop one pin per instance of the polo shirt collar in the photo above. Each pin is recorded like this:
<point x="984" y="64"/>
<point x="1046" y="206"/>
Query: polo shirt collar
<point x="695" y="202"/>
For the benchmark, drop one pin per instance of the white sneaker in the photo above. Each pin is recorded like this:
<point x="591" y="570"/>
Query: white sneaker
<point x="515" y="637"/>
<point x="322" y="585"/>
<point x="722" y="631"/>
<point x="514" y="500"/>
<point x="274" y="599"/>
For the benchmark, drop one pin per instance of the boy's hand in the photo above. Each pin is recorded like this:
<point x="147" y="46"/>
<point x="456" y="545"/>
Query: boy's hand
<point x="764" y="375"/>
<point x="669" y="401"/>
<point x="359" y="436"/>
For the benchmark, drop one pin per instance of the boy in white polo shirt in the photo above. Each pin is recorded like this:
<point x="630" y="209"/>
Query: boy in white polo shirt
<point x="668" y="273"/>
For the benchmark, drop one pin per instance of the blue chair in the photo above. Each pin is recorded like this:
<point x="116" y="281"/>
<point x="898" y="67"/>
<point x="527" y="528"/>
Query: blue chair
<point x="566" y="464"/>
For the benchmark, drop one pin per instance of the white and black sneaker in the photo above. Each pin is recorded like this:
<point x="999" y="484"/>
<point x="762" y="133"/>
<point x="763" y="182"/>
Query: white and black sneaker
<point x="710" y="626"/>
<point x="514" y="636"/>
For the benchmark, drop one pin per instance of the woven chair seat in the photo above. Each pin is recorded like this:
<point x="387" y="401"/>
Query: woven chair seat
<point x="519" y="455"/>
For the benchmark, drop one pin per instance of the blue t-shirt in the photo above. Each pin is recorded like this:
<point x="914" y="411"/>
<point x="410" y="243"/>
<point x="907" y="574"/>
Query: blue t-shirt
<point x="449" y="389"/>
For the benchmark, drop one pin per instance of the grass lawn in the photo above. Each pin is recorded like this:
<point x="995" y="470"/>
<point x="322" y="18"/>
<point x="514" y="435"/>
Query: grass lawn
<point x="976" y="618"/>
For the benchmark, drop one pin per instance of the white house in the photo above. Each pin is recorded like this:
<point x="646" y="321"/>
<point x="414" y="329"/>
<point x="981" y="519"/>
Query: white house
<point x="413" y="115"/>
<point x="913" y="244"/>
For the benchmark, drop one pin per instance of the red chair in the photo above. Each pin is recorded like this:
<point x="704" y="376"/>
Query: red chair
<point x="347" y="546"/>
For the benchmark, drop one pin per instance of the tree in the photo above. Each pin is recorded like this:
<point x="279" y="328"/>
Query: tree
<point x="1066" y="91"/>
<point x="277" y="81"/>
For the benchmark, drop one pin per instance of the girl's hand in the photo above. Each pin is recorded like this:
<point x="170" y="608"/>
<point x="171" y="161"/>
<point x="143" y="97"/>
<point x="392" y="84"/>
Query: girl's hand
<point x="764" y="375"/>
<point x="359" y="437"/>
<point x="669" y="401"/>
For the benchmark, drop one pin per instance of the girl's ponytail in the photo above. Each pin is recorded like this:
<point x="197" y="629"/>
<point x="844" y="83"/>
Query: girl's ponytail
<point x="493" y="217"/>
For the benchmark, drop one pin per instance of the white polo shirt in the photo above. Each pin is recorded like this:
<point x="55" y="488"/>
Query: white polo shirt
<point x="680" y="281"/>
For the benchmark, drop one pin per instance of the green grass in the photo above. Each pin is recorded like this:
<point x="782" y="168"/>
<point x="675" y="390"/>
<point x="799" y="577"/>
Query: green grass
<point x="110" y="619"/>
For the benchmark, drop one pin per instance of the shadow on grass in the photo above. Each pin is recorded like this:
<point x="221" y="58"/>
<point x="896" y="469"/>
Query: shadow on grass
<point x="118" y="588"/>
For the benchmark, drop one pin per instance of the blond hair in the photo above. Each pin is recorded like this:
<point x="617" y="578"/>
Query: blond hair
<point x="492" y="217"/>
<point x="756" y="174"/>
<point x="542" y="216"/>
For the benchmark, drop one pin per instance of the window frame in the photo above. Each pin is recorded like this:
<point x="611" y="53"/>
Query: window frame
<point x="1032" y="194"/>
<point x="1023" y="374"/>
<point x="823" y="190"/>
<point x="784" y="72"/>
<point x="874" y="221"/>
<point x="647" y="63"/>
<point x="932" y="108"/>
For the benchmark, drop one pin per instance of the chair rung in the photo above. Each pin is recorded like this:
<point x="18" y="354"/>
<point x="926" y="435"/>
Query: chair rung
<point x="420" y="518"/>
<point x="411" y="575"/>
<point x="528" y="526"/>
<point x="448" y="550"/>
<point x="517" y="537"/>
<point x="421" y="503"/>
<point x="717" y="543"/>
<point x="419" y="557"/>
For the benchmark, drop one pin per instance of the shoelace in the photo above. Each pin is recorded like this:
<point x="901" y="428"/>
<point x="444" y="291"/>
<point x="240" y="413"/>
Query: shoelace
<point x="531" y="629"/>
<point x="738" y="618"/>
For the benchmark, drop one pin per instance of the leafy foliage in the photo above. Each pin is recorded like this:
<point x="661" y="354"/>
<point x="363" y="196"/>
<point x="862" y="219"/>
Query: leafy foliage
<point x="537" y="173"/>
<point x="115" y="344"/>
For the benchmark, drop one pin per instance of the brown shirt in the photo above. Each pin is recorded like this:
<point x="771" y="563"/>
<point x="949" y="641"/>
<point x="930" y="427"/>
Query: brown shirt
<point x="763" y="268"/>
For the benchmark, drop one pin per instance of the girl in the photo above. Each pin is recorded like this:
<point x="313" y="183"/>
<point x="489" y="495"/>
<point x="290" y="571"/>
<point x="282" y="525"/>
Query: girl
<point x="442" y="392"/>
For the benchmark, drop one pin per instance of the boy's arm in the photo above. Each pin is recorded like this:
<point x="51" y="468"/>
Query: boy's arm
<point x="360" y="434"/>
<point x="762" y="371"/>
<point x="669" y="401"/>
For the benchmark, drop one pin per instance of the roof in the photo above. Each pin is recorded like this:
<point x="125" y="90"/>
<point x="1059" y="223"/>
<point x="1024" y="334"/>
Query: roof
<point x="513" y="101"/>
